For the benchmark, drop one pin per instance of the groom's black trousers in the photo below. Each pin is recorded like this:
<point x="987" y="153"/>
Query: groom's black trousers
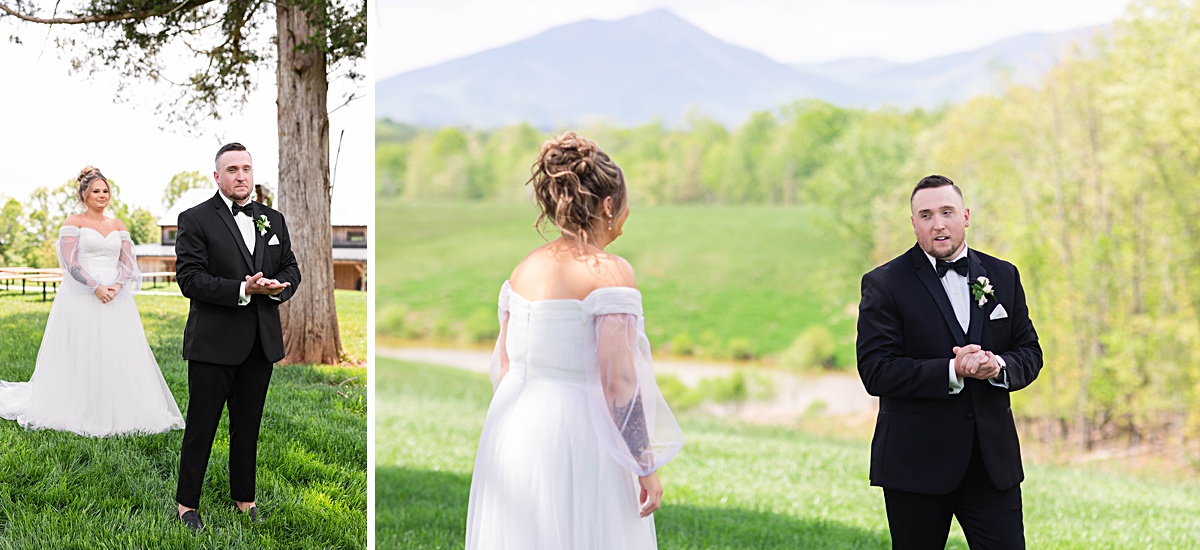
<point x="210" y="388"/>
<point x="989" y="517"/>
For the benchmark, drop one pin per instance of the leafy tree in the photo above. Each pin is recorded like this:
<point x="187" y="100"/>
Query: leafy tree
<point x="391" y="161"/>
<point x="12" y="233"/>
<point x="866" y="177"/>
<point x="229" y="38"/>
<point x="504" y="164"/>
<point x="48" y="209"/>
<point x="182" y="183"/>
<point x="141" y="224"/>
<point x="750" y="175"/>
<point x="811" y="130"/>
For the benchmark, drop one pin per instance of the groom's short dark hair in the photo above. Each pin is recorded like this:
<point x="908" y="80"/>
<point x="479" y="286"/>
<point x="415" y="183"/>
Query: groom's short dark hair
<point x="233" y="146"/>
<point x="932" y="182"/>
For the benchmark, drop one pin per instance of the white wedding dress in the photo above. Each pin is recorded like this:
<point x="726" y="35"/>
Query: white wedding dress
<point x="95" y="373"/>
<point x="573" y="422"/>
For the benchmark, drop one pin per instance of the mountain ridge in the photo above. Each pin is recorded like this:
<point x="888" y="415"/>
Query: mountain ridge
<point x="658" y="66"/>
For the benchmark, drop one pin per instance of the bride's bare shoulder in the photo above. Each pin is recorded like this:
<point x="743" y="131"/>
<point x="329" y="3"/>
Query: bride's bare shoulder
<point x="74" y="220"/>
<point x="614" y="270"/>
<point x="536" y="260"/>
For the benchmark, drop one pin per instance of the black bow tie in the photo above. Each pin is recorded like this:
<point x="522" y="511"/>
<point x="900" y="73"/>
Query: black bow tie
<point x="247" y="209"/>
<point x="960" y="266"/>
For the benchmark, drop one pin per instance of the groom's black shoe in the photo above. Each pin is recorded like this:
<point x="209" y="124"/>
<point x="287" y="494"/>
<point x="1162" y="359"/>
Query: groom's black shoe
<point x="191" y="518"/>
<point x="255" y="517"/>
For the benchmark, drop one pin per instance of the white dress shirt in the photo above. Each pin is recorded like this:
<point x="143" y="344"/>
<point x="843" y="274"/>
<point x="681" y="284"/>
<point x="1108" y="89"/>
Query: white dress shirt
<point x="958" y="290"/>
<point x="245" y="224"/>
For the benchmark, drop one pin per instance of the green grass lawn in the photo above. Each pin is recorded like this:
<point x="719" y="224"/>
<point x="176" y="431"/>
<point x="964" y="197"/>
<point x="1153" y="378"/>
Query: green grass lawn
<point x="61" y="490"/>
<point x="352" y="324"/>
<point x="720" y="281"/>
<point x="735" y="486"/>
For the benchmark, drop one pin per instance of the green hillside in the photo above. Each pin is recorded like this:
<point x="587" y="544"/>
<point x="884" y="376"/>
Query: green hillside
<point x="718" y="281"/>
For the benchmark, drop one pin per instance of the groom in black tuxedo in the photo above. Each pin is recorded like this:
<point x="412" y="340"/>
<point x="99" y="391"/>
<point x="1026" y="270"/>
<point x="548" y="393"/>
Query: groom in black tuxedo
<point x="235" y="264"/>
<point x="944" y="336"/>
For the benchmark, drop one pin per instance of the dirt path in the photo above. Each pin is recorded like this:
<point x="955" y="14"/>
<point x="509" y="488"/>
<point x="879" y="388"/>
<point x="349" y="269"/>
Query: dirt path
<point x="794" y="396"/>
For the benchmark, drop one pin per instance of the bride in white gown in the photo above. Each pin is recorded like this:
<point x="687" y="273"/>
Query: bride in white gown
<point x="95" y="373"/>
<point x="577" y="426"/>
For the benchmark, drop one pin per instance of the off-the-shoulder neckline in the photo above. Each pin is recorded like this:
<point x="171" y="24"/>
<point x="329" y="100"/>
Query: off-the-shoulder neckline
<point x="97" y="231"/>
<point x="508" y="286"/>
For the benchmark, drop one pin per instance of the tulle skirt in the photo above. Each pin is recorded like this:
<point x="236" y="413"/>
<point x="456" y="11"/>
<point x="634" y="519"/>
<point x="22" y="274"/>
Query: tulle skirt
<point x="542" y="480"/>
<point x="95" y="373"/>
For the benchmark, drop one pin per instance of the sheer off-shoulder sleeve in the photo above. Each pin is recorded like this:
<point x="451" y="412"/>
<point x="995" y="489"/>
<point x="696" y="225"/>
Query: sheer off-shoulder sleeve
<point x="629" y="412"/>
<point x="499" y="365"/>
<point x="74" y="275"/>
<point x="129" y="276"/>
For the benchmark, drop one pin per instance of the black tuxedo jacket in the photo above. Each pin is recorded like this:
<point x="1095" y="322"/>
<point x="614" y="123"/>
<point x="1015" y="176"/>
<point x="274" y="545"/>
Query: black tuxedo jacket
<point x="211" y="263"/>
<point x="906" y="332"/>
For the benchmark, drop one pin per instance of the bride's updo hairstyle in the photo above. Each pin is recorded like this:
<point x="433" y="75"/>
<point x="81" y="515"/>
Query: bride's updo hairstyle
<point x="571" y="178"/>
<point x="86" y="178"/>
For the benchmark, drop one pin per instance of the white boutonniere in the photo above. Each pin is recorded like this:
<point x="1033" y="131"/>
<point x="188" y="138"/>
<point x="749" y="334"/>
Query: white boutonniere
<point x="263" y="225"/>
<point x="981" y="290"/>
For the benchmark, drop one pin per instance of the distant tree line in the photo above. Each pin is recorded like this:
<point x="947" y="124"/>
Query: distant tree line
<point x="790" y="156"/>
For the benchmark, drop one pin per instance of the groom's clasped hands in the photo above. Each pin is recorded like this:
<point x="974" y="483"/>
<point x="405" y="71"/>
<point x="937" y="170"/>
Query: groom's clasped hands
<point x="972" y="361"/>
<point x="257" y="284"/>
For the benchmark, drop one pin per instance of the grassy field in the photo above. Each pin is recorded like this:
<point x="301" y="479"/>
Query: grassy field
<point x="352" y="324"/>
<point x="707" y="290"/>
<point x="735" y="486"/>
<point x="61" y="490"/>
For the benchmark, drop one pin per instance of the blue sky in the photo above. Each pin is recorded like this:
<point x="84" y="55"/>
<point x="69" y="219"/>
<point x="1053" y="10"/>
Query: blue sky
<point x="410" y="34"/>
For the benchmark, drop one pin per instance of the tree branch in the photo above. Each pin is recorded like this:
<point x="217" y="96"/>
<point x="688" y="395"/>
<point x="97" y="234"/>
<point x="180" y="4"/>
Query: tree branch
<point x="103" y="18"/>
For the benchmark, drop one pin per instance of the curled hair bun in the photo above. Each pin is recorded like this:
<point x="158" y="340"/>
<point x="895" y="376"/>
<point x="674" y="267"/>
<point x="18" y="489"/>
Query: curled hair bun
<point x="569" y="153"/>
<point x="87" y="171"/>
<point x="571" y="178"/>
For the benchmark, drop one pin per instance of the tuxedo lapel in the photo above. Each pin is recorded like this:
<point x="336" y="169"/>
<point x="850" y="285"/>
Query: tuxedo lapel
<point x="929" y="277"/>
<point x="975" y="328"/>
<point x="259" y="242"/>
<point x="226" y="216"/>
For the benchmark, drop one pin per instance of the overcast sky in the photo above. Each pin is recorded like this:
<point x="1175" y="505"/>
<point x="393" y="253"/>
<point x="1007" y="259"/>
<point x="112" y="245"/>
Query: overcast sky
<point x="410" y="34"/>
<point x="53" y="123"/>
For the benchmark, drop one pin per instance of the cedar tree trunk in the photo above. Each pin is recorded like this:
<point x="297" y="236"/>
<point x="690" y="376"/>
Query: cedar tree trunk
<point x="310" y="327"/>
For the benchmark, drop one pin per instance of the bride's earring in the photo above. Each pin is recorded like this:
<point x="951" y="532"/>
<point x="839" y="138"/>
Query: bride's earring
<point x="610" y="218"/>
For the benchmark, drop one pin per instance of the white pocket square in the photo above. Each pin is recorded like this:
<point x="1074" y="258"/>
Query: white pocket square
<point x="998" y="313"/>
<point x="274" y="240"/>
